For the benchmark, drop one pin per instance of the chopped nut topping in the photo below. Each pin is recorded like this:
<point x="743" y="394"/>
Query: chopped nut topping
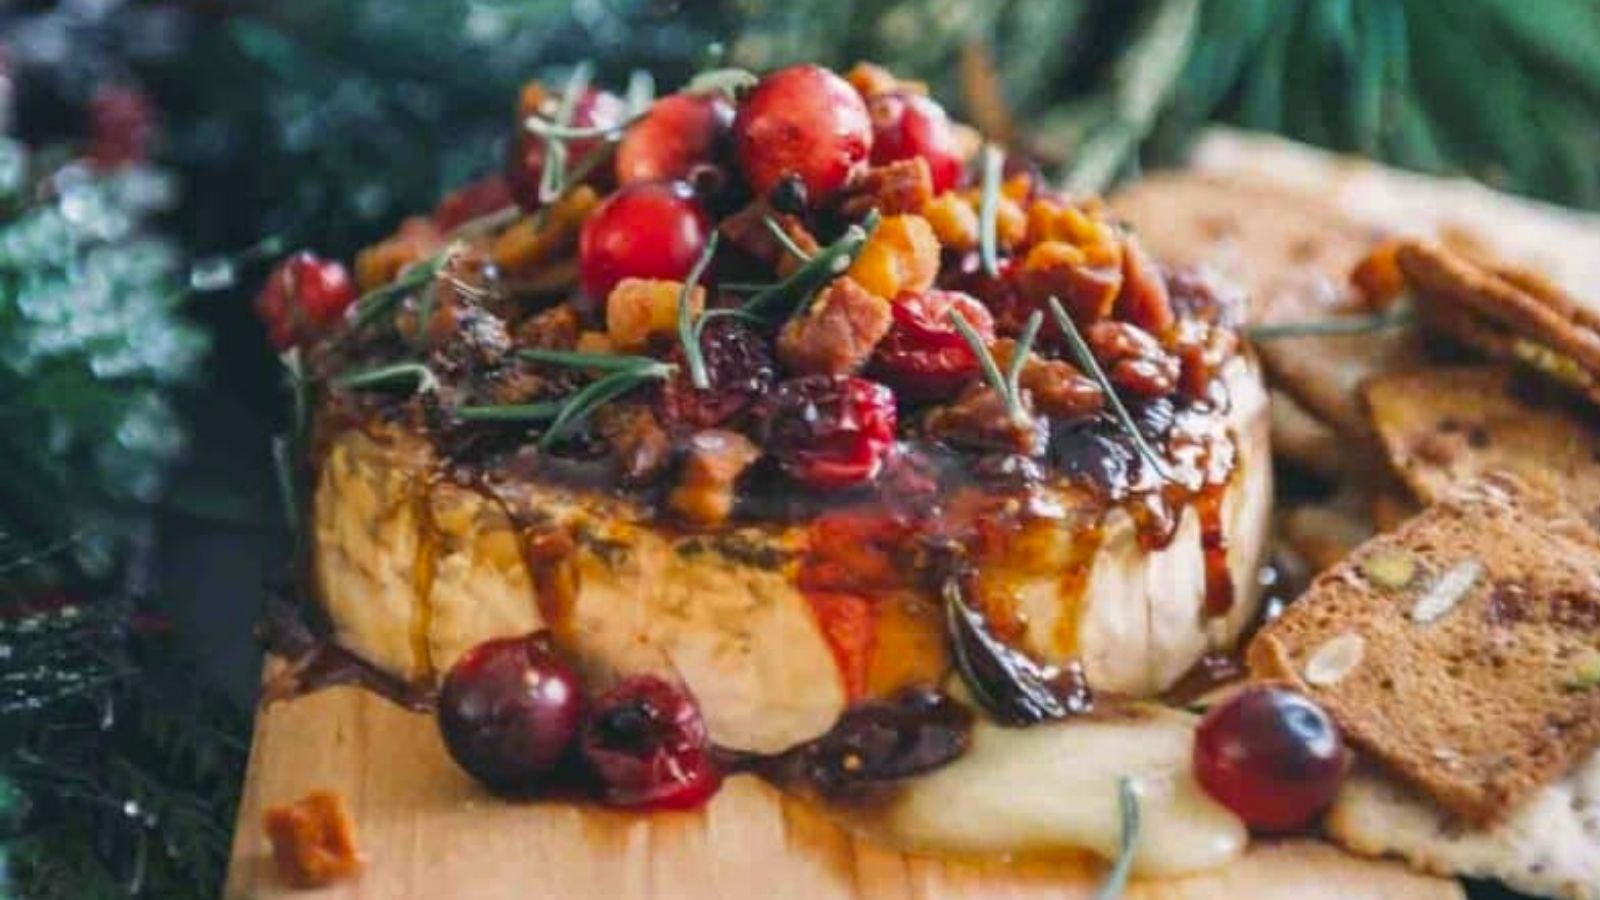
<point x="1447" y="591"/>
<point x="1390" y="568"/>
<point x="1336" y="658"/>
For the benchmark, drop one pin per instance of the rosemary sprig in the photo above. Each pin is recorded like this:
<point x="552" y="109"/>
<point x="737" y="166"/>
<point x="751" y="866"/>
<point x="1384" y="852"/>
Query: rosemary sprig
<point x="641" y="93"/>
<point x="600" y="362"/>
<point x="1090" y="365"/>
<point x="729" y="81"/>
<point x="1007" y="384"/>
<point x="783" y="238"/>
<point x="552" y="181"/>
<point x="384" y="377"/>
<point x="511" y="412"/>
<point x="993" y="161"/>
<point x="688" y="328"/>
<point x="379" y="302"/>
<point x="831" y="261"/>
<point x="1117" y="878"/>
<point x="1398" y="317"/>
<point x="556" y="131"/>
<point x="597" y="394"/>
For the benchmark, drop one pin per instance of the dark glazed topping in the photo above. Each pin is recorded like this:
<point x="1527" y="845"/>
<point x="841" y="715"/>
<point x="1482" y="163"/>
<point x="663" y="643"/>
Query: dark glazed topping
<point x="882" y="741"/>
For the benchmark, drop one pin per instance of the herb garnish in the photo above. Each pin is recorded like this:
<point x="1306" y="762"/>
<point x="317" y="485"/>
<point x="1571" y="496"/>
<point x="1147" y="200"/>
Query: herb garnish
<point x="552" y="180"/>
<point x="1117" y="878"/>
<point x="598" y="394"/>
<point x="830" y="262"/>
<point x="625" y="373"/>
<point x="728" y="81"/>
<point x="1010" y="686"/>
<point x="989" y="209"/>
<point x="600" y="362"/>
<point x="1086" y="361"/>
<point x="383" y="377"/>
<point x="1007" y="384"/>
<point x="689" y="328"/>
<point x="795" y="250"/>
<point x="1394" y="318"/>
<point x="380" y="301"/>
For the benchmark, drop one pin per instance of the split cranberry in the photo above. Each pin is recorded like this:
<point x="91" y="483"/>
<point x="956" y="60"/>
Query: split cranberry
<point x="304" y="297"/>
<point x="739" y="367"/>
<point x="1270" y="755"/>
<point x="681" y="133"/>
<point x="831" y="432"/>
<point x="525" y="155"/>
<point x="924" y="357"/>
<point x="646" y="230"/>
<point x="646" y="741"/>
<point x="805" y="122"/>
<point x="907" y="125"/>
<point x="509" y="710"/>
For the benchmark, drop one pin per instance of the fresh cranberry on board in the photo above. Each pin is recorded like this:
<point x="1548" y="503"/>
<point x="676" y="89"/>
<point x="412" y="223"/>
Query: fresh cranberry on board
<point x="304" y="296"/>
<point x="645" y="230"/>
<point x="831" y="432"/>
<point x="646" y="742"/>
<point x="1272" y="756"/>
<point x="806" y="125"/>
<point x="509" y="710"/>
<point x="924" y="357"/>
<point x="681" y="133"/>
<point x="907" y="125"/>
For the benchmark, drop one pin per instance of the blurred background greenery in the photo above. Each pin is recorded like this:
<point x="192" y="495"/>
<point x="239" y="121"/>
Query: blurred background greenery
<point x="146" y="144"/>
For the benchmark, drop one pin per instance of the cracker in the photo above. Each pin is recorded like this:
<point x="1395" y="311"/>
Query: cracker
<point x="1477" y="696"/>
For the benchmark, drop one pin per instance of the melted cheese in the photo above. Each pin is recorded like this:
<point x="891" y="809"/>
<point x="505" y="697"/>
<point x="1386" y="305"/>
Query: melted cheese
<point x="1053" y="789"/>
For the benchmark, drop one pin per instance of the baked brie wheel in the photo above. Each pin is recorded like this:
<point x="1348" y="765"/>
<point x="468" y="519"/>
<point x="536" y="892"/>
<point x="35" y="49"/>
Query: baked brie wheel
<point x="415" y="567"/>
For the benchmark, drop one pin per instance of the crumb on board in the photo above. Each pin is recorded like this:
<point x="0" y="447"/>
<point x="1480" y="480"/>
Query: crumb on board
<point x="313" y="840"/>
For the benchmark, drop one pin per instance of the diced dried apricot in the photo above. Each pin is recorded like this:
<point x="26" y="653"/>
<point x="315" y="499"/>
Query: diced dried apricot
<point x="903" y="186"/>
<point x="313" y="840"/>
<point x="713" y="461"/>
<point x="1010" y="223"/>
<point x="1086" y="280"/>
<point x="379" y="264"/>
<point x="901" y="255"/>
<point x="524" y="246"/>
<point x="954" y="221"/>
<point x="595" y="342"/>
<point x="639" y="308"/>
<point x="869" y="79"/>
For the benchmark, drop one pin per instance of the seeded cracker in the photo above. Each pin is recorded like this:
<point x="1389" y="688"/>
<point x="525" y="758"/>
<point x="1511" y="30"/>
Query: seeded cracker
<point x="1481" y="699"/>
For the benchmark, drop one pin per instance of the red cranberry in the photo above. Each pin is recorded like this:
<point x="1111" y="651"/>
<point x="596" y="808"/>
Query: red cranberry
<point x="649" y="230"/>
<point x="740" y="368"/>
<point x="680" y="134"/>
<point x="807" y="122"/>
<point x="479" y="198"/>
<point x="509" y="710"/>
<point x="907" y="125"/>
<point x="525" y="155"/>
<point x="831" y="432"/>
<point x="924" y="357"/>
<point x="304" y="297"/>
<point x="1270" y="755"/>
<point x="647" y="743"/>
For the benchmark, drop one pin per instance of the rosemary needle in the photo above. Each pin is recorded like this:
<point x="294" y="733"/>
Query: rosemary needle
<point x="688" y="332"/>
<point x="989" y="209"/>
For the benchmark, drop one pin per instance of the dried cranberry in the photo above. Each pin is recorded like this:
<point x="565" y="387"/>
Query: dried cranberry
<point x="681" y="133"/>
<point x="831" y="432"/>
<point x="807" y="122"/>
<point x="907" y="125"/>
<point x="914" y="732"/>
<point x="740" y="369"/>
<point x="304" y="297"/>
<point x="647" y="743"/>
<point x="646" y="230"/>
<point x="525" y="157"/>
<point x="508" y="711"/>
<point x="924" y="356"/>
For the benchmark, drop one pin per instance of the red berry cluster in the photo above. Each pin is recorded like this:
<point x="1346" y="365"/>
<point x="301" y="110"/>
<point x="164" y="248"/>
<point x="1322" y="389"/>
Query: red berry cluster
<point x="513" y="714"/>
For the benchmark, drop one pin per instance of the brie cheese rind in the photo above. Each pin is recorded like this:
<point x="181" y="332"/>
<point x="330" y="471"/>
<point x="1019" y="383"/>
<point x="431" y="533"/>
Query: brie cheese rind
<point x="1550" y="846"/>
<point x="413" y="570"/>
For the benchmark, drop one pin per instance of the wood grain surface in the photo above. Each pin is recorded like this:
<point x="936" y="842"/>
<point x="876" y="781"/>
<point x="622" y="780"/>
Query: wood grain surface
<point x="429" y="833"/>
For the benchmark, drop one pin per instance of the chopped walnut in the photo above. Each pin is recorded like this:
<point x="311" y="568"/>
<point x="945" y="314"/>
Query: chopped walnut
<point x="979" y="418"/>
<point x="904" y="186"/>
<point x="1202" y="349"/>
<point x="1085" y="279"/>
<point x="747" y="229"/>
<point x="1134" y="361"/>
<point x="837" y="335"/>
<point x="313" y="840"/>
<point x="1057" y="387"/>
<point x="1143" y="300"/>
<point x="640" y="308"/>
<point x="713" y="461"/>
<point x="556" y="328"/>
<point x="638" y="440"/>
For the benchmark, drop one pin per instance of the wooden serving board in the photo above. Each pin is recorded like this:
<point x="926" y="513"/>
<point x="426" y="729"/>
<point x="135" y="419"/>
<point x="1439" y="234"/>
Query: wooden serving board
<point x="429" y="833"/>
